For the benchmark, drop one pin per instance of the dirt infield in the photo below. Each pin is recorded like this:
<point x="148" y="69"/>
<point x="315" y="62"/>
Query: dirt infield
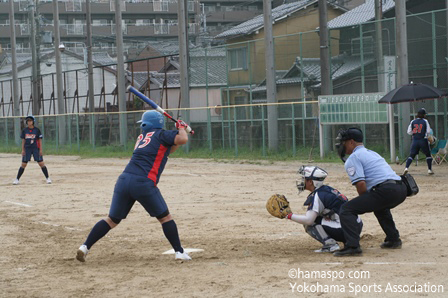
<point x="219" y="207"/>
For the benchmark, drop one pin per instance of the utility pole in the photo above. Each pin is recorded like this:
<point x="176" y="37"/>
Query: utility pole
<point x="60" y="93"/>
<point x="90" y="68"/>
<point x="15" y="81"/>
<point x="120" y="73"/>
<point x="271" y="86"/>
<point x="182" y="15"/>
<point x="379" y="43"/>
<point x="381" y="73"/>
<point x="324" y="70"/>
<point x="402" y="71"/>
<point x="35" y="60"/>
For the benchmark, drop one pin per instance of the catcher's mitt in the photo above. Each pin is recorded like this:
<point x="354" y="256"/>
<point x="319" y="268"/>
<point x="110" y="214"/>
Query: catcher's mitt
<point x="278" y="206"/>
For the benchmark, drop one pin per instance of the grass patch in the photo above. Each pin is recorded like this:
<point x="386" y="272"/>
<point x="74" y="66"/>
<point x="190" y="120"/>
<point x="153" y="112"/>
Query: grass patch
<point x="226" y="155"/>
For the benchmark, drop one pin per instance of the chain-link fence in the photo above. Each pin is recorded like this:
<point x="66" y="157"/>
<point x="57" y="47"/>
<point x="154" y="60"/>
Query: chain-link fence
<point x="228" y="89"/>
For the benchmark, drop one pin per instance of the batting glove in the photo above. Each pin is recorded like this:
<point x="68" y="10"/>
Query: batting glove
<point x="181" y="124"/>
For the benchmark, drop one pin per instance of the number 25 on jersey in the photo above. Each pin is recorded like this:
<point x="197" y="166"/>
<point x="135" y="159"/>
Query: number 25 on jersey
<point x="146" y="140"/>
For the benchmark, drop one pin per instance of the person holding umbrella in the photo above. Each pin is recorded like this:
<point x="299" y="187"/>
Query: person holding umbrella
<point x="419" y="129"/>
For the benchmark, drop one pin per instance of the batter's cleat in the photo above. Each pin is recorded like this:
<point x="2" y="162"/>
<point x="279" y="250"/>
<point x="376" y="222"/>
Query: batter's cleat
<point x="15" y="182"/>
<point x="391" y="244"/>
<point x="405" y="171"/>
<point x="48" y="180"/>
<point x="430" y="172"/>
<point x="349" y="252"/>
<point x="328" y="248"/>
<point x="82" y="253"/>
<point x="182" y="256"/>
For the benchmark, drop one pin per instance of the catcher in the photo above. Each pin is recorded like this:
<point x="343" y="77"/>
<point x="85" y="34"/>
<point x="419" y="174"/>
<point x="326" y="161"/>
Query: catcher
<point x="321" y="220"/>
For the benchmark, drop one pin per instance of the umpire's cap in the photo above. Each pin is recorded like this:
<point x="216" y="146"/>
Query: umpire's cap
<point x="352" y="133"/>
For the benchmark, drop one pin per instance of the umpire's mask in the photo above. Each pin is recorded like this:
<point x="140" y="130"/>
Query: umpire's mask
<point x="344" y="135"/>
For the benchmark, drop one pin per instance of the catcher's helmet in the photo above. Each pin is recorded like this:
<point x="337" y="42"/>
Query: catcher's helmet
<point x="314" y="173"/>
<point x="352" y="133"/>
<point x="151" y="120"/>
<point x="30" y="117"/>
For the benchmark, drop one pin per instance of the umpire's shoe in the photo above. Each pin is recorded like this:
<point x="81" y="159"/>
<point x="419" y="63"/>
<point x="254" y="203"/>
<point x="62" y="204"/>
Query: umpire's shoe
<point x="391" y="244"/>
<point x="348" y="251"/>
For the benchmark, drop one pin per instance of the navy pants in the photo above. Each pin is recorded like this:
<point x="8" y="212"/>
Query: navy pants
<point x="130" y="188"/>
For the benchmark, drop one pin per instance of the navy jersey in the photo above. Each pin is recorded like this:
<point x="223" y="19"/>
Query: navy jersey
<point x="151" y="154"/>
<point x="31" y="136"/>
<point x="419" y="128"/>
<point x="325" y="197"/>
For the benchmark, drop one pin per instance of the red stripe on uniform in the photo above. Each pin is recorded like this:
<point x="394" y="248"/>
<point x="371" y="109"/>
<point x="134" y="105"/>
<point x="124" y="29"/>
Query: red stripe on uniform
<point x="156" y="166"/>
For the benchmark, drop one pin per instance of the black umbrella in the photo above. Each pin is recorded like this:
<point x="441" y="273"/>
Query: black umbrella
<point x="412" y="92"/>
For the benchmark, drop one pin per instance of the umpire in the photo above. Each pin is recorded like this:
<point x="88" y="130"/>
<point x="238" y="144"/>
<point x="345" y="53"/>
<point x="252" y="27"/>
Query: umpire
<point x="379" y="187"/>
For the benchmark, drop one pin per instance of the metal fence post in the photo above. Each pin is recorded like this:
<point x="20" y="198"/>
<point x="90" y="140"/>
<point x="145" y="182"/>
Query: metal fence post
<point x="235" y="130"/>
<point x="6" y="132"/>
<point x="77" y="132"/>
<point x="92" y="131"/>
<point x="263" y="137"/>
<point x="293" y="120"/>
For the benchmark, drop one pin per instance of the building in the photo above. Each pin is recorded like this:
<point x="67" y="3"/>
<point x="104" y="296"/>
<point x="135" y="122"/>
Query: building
<point x="75" y="82"/>
<point x="246" y="49"/>
<point x="143" y="21"/>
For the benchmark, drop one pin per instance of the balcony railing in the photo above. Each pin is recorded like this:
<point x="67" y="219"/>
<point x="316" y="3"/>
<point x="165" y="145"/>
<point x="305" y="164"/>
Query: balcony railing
<point x="73" y="29"/>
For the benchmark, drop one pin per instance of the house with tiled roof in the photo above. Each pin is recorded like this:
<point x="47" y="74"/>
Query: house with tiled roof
<point x="207" y="74"/>
<point x="246" y="48"/>
<point x="357" y="42"/>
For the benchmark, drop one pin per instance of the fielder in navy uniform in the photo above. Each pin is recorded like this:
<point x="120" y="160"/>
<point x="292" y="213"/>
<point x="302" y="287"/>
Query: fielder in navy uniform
<point x="321" y="220"/>
<point x="419" y="129"/>
<point x="31" y="146"/>
<point x="138" y="182"/>
<point x="379" y="187"/>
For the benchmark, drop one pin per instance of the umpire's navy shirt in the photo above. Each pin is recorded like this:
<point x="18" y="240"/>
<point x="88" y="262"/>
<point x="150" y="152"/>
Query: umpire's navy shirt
<point x="419" y="129"/>
<point x="31" y="136"/>
<point x="367" y="165"/>
<point x="151" y="154"/>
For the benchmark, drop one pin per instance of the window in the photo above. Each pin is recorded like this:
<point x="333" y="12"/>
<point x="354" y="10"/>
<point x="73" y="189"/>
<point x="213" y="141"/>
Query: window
<point x="209" y="8"/>
<point x="73" y="5"/>
<point x="99" y="22"/>
<point x="160" y="5"/>
<point x="367" y="44"/>
<point x="238" y="58"/>
<point x="190" y="6"/>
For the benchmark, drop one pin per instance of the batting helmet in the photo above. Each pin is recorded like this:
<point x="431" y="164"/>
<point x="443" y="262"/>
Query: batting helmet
<point x="151" y="120"/>
<point x="314" y="173"/>
<point x="30" y="117"/>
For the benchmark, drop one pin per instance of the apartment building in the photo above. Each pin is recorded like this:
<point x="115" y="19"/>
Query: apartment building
<point x="143" y="21"/>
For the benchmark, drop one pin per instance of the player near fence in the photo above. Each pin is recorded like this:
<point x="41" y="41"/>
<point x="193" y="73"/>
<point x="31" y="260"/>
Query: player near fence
<point x="321" y="220"/>
<point x="31" y="146"/>
<point x="138" y="182"/>
<point x="420" y="130"/>
<point x="379" y="190"/>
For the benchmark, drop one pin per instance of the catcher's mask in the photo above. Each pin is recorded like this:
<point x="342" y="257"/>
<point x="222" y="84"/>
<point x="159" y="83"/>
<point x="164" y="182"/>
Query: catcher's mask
<point x="314" y="173"/>
<point x="151" y="120"/>
<point x="352" y="133"/>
